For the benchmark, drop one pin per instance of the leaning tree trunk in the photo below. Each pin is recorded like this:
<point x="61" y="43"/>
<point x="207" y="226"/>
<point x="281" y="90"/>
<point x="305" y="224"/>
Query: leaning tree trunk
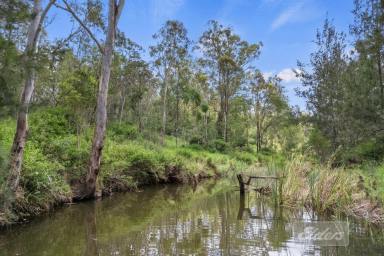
<point x="17" y="150"/>
<point x="101" y="110"/>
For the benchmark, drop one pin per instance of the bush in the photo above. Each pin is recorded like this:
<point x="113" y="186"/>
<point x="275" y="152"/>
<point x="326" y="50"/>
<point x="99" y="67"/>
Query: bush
<point x="48" y="123"/>
<point x="320" y="144"/>
<point x="245" y="157"/>
<point x="370" y="150"/>
<point x="41" y="179"/>
<point x="122" y="131"/>
<point x="240" y="142"/>
<point x="219" y="145"/>
<point x="196" y="141"/>
<point x="72" y="152"/>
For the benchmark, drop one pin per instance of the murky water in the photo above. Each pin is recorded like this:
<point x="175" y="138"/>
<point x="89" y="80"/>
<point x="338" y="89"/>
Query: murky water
<point x="177" y="220"/>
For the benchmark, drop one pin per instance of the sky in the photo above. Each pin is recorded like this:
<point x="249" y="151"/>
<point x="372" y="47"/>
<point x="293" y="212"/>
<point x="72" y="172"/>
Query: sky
<point x="286" y="28"/>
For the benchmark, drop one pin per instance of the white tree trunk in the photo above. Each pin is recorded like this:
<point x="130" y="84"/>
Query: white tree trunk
<point x="17" y="151"/>
<point x="101" y="110"/>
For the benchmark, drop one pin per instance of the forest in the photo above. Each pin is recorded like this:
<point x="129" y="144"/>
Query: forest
<point x="94" y="113"/>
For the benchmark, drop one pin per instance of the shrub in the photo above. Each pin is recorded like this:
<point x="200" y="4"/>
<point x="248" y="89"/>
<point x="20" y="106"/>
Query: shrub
<point x="122" y="131"/>
<point x="48" y="123"/>
<point x="240" y="142"/>
<point x="320" y="144"/>
<point x="219" y="145"/>
<point x="41" y="179"/>
<point x="245" y="157"/>
<point x="196" y="141"/>
<point x="372" y="150"/>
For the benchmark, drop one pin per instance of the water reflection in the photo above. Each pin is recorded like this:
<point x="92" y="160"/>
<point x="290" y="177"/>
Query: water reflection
<point x="210" y="219"/>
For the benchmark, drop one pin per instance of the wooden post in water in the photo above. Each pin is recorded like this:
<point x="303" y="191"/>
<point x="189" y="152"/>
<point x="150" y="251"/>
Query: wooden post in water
<point x="241" y="183"/>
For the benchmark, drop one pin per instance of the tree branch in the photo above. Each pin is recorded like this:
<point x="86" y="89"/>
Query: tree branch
<point x="119" y="11"/>
<point x="64" y="41"/>
<point x="68" y="8"/>
<point x="43" y="14"/>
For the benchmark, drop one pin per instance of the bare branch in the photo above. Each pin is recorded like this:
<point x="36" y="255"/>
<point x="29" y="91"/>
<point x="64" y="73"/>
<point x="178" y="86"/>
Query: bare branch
<point x="68" y="8"/>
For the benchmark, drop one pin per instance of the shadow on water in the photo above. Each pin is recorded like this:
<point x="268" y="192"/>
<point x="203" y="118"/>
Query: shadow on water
<point x="210" y="219"/>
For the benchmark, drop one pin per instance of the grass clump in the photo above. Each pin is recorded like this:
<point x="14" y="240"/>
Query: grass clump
<point x="329" y="190"/>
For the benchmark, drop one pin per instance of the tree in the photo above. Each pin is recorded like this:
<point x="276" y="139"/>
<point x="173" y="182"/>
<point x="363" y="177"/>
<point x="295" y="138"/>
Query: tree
<point x="169" y="54"/>
<point x="268" y="104"/>
<point x="369" y="29"/>
<point x="225" y="56"/>
<point x="29" y="64"/>
<point x="93" y="17"/>
<point x="114" y="12"/>
<point x="323" y="87"/>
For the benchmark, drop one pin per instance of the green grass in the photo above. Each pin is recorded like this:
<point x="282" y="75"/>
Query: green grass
<point x="335" y="191"/>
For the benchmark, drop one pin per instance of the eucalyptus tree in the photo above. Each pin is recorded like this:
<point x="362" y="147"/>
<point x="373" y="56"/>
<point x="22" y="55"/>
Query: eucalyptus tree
<point x="142" y="86"/>
<point x="170" y="53"/>
<point x="268" y="104"/>
<point x="226" y="57"/>
<point x="125" y="65"/>
<point x="115" y="8"/>
<point x="28" y="63"/>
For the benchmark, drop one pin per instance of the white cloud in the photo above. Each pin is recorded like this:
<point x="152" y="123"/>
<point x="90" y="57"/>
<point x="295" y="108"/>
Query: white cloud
<point x="299" y="11"/>
<point x="163" y="9"/>
<point x="288" y="75"/>
<point x="288" y="15"/>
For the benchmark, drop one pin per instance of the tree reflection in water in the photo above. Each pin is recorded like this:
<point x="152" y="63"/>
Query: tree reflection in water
<point x="210" y="219"/>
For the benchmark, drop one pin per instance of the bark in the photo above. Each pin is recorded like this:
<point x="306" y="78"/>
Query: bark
<point x="101" y="109"/>
<point x="17" y="150"/>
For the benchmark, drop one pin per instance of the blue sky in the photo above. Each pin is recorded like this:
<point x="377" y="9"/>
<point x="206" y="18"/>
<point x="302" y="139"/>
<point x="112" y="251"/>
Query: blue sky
<point x="286" y="27"/>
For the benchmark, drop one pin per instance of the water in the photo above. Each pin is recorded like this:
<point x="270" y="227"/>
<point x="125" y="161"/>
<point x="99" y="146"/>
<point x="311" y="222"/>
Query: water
<point x="177" y="220"/>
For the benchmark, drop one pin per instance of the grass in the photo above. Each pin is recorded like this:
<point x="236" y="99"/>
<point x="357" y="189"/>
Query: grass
<point x="335" y="191"/>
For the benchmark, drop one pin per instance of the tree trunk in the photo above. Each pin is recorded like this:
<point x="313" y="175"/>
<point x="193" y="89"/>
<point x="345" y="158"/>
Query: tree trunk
<point x="164" y="122"/>
<point x="17" y="151"/>
<point x="226" y="110"/>
<point x="206" y="128"/>
<point x="101" y="110"/>
<point x="122" y="107"/>
<point x="380" y="71"/>
<point x="177" y="111"/>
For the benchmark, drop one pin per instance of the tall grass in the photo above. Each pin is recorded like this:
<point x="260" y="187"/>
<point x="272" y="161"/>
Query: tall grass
<point x="328" y="191"/>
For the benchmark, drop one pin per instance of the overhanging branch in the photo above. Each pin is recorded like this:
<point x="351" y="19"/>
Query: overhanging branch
<point x="68" y="9"/>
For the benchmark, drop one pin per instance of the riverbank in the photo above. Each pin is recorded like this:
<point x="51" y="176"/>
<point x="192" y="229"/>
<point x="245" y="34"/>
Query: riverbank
<point x="56" y="160"/>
